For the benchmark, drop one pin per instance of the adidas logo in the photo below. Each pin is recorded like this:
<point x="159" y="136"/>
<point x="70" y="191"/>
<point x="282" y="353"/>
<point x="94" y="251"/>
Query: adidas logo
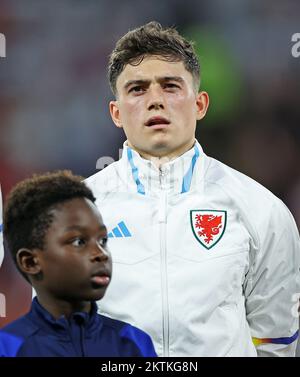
<point x="120" y="230"/>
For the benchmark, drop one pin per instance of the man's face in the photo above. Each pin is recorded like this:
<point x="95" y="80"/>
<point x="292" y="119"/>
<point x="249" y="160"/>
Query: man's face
<point x="75" y="263"/>
<point x="158" y="108"/>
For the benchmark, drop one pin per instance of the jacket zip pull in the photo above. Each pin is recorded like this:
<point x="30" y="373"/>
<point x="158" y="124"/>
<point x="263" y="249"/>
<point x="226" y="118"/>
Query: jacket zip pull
<point x="162" y="210"/>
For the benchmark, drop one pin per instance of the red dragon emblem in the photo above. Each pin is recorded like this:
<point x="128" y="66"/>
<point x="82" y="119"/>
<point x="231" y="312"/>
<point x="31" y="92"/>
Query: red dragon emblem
<point x="208" y="226"/>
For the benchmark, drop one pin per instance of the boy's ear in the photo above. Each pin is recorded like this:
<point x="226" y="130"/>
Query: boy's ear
<point x="28" y="261"/>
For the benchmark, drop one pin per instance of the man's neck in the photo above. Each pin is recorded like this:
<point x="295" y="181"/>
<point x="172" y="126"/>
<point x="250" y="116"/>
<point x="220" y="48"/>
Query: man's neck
<point x="160" y="160"/>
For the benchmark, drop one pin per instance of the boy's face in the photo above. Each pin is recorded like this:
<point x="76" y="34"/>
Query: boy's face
<point x="75" y="263"/>
<point x="157" y="106"/>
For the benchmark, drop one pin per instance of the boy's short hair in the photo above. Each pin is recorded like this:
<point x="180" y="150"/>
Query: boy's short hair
<point x="27" y="214"/>
<point x="152" y="39"/>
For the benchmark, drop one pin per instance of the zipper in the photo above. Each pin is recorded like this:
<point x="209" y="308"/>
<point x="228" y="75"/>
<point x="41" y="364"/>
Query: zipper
<point x="76" y="328"/>
<point x="82" y="340"/>
<point x="162" y="218"/>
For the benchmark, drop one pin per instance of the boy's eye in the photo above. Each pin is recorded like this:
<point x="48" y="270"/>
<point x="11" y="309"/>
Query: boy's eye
<point x="77" y="242"/>
<point x="103" y="241"/>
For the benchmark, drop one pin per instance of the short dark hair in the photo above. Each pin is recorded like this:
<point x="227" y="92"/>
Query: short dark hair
<point x="148" y="40"/>
<point x="27" y="214"/>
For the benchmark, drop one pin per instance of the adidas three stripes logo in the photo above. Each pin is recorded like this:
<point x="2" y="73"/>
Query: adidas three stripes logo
<point x="120" y="230"/>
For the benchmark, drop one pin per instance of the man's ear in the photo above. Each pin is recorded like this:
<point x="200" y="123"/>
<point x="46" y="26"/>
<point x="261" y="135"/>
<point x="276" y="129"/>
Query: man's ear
<point x="202" y="103"/>
<point x="28" y="261"/>
<point x="115" y="113"/>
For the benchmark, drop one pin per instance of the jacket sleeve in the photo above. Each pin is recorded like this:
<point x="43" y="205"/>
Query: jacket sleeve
<point x="143" y="345"/>
<point x="272" y="283"/>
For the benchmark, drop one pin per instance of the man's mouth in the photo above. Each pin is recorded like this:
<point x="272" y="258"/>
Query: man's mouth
<point x="157" y="121"/>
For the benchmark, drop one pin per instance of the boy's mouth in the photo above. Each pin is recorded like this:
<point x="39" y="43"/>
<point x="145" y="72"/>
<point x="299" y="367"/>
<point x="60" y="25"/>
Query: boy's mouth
<point x="101" y="278"/>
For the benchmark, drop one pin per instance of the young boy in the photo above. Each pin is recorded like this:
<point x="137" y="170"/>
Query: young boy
<point x="59" y="243"/>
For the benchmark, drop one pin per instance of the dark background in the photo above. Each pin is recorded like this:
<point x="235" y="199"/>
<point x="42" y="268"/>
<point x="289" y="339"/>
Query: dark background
<point x="54" y="92"/>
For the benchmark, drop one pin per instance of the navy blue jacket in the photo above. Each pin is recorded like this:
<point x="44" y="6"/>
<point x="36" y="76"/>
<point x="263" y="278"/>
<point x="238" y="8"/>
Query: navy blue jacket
<point x="84" y="334"/>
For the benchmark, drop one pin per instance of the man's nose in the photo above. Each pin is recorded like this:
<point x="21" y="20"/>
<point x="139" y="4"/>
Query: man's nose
<point x="156" y="98"/>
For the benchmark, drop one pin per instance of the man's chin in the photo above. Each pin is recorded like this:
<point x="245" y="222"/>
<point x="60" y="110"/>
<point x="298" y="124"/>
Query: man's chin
<point x="160" y="148"/>
<point x="155" y="148"/>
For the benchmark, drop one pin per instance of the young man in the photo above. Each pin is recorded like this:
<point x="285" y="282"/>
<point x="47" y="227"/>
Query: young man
<point x="59" y="243"/>
<point x="210" y="257"/>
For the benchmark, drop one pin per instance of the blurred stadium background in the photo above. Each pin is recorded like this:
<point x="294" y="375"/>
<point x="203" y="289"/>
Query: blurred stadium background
<point x="54" y="92"/>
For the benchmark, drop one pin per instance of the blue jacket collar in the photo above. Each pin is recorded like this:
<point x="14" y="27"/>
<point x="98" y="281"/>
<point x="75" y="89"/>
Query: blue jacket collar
<point x="42" y="318"/>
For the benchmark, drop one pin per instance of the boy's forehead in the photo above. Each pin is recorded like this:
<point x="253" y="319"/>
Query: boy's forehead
<point x="76" y="209"/>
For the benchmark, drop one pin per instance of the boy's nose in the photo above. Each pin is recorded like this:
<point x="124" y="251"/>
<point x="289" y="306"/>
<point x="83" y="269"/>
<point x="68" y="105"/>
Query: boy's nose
<point x="98" y="253"/>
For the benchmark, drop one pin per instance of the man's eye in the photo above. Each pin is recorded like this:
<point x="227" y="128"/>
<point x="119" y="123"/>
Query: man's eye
<point x="77" y="242"/>
<point x="171" y="85"/>
<point x="136" y="89"/>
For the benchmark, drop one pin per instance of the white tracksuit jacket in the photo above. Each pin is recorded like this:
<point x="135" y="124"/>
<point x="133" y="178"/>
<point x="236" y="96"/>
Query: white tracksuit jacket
<point x="205" y="259"/>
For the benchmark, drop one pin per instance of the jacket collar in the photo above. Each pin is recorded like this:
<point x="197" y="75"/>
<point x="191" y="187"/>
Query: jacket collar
<point x="42" y="318"/>
<point x="177" y="176"/>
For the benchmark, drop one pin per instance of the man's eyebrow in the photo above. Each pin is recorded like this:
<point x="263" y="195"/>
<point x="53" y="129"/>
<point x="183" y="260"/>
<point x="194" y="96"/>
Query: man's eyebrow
<point x="159" y="79"/>
<point x="170" y="78"/>
<point x="136" y="82"/>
